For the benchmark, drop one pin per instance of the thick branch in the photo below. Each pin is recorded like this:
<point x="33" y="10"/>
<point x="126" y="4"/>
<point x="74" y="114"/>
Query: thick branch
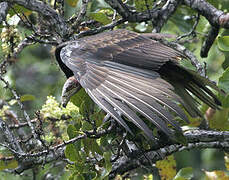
<point x="29" y="160"/>
<point x="164" y="14"/>
<point x="121" y="8"/>
<point x="45" y="10"/>
<point x="197" y="139"/>
<point x="214" y="16"/>
<point x="159" y="16"/>
<point x="212" y="34"/>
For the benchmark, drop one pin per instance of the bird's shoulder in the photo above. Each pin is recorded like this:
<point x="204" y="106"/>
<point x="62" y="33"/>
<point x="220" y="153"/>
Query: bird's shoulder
<point x="120" y="46"/>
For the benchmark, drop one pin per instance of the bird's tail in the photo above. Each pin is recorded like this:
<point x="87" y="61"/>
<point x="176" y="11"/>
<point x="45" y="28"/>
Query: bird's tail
<point x="187" y="82"/>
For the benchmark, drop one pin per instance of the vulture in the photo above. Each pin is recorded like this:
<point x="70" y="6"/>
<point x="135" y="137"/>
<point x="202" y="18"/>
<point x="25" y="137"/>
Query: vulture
<point x="131" y="76"/>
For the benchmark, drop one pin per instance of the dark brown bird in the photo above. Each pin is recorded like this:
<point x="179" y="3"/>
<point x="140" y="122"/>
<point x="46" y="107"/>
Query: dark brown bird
<point x="126" y="73"/>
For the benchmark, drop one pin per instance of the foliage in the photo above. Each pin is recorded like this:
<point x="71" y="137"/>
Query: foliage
<point x="92" y="146"/>
<point x="167" y="167"/>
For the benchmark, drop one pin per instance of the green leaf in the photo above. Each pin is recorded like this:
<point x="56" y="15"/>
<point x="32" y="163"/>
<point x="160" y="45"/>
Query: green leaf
<point x="98" y="118"/>
<point x="90" y="145"/>
<point x="83" y="101"/>
<point x="92" y="175"/>
<point x="79" y="97"/>
<point x="179" y="22"/>
<point x="225" y="101"/>
<point x="226" y="160"/>
<point x="96" y="148"/>
<point x="184" y="174"/>
<point x="107" y="157"/>
<point x="71" y="153"/>
<point x="8" y="164"/>
<point x="86" y="126"/>
<point x="19" y="9"/>
<point x="167" y="167"/>
<point x="79" y="177"/>
<point x="225" y="64"/>
<point x="78" y="125"/>
<point x="101" y="16"/>
<point x="104" y="141"/>
<point x="98" y="4"/>
<point x="78" y="146"/>
<point x="142" y="6"/>
<point x="87" y="144"/>
<point x="27" y="97"/>
<point x="224" y="81"/>
<point x="71" y="131"/>
<point x="223" y="43"/>
<point x="218" y="119"/>
<point x="72" y="3"/>
<point x="179" y="137"/>
<point x="84" y="109"/>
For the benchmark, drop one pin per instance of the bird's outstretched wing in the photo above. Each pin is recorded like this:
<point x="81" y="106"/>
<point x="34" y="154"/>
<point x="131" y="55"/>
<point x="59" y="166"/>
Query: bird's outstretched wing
<point x="125" y="74"/>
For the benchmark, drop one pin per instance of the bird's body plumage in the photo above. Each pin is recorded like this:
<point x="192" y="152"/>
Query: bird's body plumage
<point x="127" y="73"/>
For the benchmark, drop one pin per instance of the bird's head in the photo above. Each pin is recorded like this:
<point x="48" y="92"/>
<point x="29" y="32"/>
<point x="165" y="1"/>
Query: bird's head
<point x="71" y="85"/>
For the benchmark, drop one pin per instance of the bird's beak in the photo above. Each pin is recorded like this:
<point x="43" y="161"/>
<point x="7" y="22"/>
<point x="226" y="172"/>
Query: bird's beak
<point x="71" y="87"/>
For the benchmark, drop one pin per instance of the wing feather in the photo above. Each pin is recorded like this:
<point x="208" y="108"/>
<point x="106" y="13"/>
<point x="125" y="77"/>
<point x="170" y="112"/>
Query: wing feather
<point x="121" y="107"/>
<point x="142" y="96"/>
<point x="147" y="93"/>
<point x="122" y="72"/>
<point x="98" y="99"/>
<point x="139" y="107"/>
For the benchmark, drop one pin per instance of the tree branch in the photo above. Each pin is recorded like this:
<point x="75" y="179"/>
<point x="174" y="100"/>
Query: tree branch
<point x="9" y="137"/>
<point x="215" y="16"/>
<point x="16" y="96"/>
<point x="75" y="21"/>
<point x="197" y="139"/>
<point x="47" y="12"/>
<point x="159" y="16"/>
<point x="212" y="34"/>
<point x="3" y="11"/>
<point x="100" y="29"/>
<point x="29" y="160"/>
<point x="164" y="14"/>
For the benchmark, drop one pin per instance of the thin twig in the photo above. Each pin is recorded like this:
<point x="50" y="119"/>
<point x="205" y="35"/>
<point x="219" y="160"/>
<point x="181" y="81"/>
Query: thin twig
<point x="75" y="21"/>
<point x="17" y="97"/>
<point x="11" y="141"/>
<point x="100" y="29"/>
<point x="27" y="22"/>
<point x="192" y="32"/>
<point x="20" y="125"/>
<point x="34" y="38"/>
